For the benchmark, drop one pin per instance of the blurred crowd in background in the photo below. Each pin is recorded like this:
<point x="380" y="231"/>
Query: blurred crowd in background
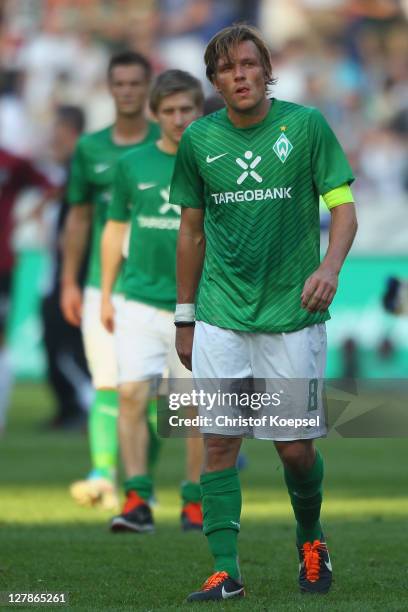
<point x="347" y="57"/>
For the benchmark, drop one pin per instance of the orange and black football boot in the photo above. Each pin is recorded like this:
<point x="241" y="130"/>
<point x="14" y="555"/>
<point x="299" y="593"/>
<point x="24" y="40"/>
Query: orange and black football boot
<point x="136" y="516"/>
<point x="192" y="517"/>
<point x="218" y="586"/>
<point x="315" y="570"/>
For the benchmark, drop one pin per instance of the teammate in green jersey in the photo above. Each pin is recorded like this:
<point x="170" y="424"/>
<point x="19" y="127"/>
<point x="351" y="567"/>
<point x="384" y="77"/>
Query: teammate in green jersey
<point x="89" y="193"/>
<point x="248" y="179"/>
<point x="144" y="322"/>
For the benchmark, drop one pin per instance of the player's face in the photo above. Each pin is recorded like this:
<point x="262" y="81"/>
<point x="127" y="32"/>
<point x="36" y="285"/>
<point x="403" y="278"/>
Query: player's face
<point x="240" y="79"/>
<point x="175" y="113"/>
<point x="129" y="88"/>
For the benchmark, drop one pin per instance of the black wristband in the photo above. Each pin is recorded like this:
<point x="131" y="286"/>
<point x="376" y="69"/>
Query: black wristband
<point x="184" y="323"/>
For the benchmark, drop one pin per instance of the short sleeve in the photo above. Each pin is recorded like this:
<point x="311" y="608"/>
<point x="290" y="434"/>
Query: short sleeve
<point x="187" y="186"/>
<point x="330" y="167"/>
<point x="79" y="188"/>
<point x="119" y="206"/>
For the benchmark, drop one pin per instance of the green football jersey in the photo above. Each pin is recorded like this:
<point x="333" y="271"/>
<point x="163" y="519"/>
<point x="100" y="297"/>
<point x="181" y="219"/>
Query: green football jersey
<point x="141" y="195"/>
<point x="259" y="187"/>
<point x="90" y="182"/>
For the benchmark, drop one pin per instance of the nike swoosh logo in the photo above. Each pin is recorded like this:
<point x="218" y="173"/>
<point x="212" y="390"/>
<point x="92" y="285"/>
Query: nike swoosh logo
<point x="227" y="594"/>
<point x="210" y="160"/>
<point x="143" y="186"/>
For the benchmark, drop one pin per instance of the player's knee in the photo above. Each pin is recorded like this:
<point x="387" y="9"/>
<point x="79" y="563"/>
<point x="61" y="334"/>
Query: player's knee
<point x="297" y="456"/>
<point x="220" y="453"/>
<point x="132" y="396"/>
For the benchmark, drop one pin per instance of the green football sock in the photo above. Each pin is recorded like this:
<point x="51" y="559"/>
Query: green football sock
<point x="190" y="492"/>
<point x="306" y="497"/>
<point x="155" y="442"/>
<point x="103" y="436"/>
<point x="221" y="498"/>
<point x="143" y="485"/>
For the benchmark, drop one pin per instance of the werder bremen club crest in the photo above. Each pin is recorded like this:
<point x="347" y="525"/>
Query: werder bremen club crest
<point x="283" y="147"/>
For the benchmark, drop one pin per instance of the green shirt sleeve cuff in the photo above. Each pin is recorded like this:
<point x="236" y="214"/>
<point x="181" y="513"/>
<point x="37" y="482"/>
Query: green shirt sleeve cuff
<point x="338" y="196"/>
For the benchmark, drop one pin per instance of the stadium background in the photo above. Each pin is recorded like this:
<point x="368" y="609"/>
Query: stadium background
<point x="347" y="57"/>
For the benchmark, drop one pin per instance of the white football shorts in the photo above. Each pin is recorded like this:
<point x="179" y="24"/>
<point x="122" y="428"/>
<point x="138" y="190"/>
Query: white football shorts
<point x="145" y="343"/>
<point x="99" y="344"/>
<point x="288" y="368"/>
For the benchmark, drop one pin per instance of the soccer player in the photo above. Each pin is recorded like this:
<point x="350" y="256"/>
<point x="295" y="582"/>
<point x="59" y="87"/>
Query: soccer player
<point x="144" y="322"/>
<point x="89" y="193"/>
<point x="248" y="179"/>
<point x="16" y="174"/>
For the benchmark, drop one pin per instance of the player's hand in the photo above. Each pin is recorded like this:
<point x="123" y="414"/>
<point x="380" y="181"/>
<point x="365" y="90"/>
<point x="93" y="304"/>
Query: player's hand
<point x="71" y="304"/>
<point x="319" y="289"/>
<point x="184" y="344"/>
<point x="108" y="315"/>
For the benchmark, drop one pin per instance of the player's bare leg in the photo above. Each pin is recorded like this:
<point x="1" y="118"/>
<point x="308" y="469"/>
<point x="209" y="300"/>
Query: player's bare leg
<point x="194" y="458"/>
<point x="220" y="453"/>
<point x="136" y="515"/>
<point x="133" y="430"/>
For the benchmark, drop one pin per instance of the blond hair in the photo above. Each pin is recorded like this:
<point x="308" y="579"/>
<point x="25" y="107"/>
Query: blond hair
<point x="175" y="81"/>
<point x="227" y="39"/>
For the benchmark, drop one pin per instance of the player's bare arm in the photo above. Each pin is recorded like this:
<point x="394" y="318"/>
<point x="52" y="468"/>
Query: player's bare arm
<point x="111" y="256"/>
<point x="190" y="258"/>
<point x="320" y="288"/>
<point x="74" y="243"/>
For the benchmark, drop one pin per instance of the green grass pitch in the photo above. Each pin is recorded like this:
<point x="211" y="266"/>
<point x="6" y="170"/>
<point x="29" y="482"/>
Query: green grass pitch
<point x="47" y="543"/>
